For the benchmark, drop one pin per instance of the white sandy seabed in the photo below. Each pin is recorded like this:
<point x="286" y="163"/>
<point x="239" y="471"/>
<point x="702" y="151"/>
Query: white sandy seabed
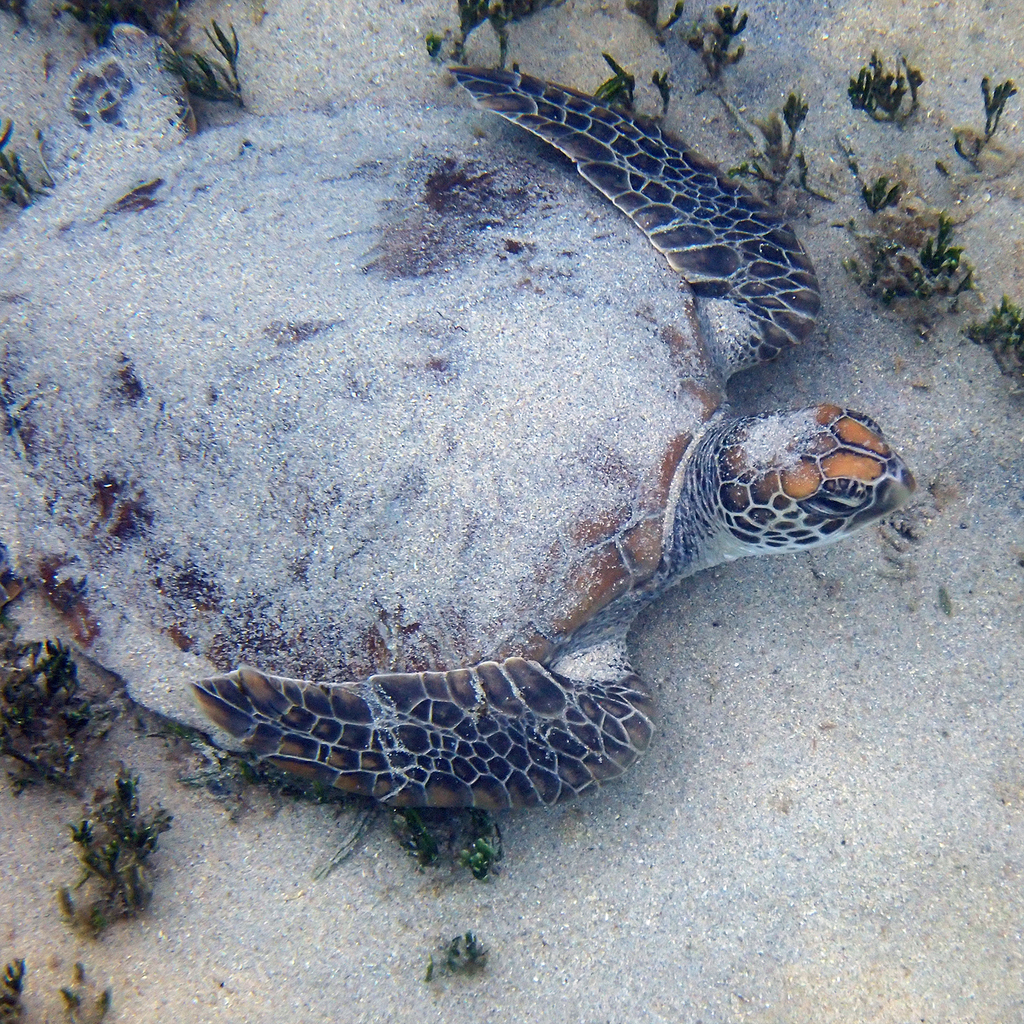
<point x="829" y="824"/>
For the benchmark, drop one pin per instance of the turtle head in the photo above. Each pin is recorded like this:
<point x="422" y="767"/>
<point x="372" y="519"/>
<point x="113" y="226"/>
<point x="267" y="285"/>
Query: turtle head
<point x="783" y="482"/>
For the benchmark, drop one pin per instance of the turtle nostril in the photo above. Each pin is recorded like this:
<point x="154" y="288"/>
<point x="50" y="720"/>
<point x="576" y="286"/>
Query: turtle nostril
<point x="906" y="478"/>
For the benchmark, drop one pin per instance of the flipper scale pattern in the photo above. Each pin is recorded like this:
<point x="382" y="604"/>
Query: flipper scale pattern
<point x="724" y="241"/>
<point x="497" y="735"/>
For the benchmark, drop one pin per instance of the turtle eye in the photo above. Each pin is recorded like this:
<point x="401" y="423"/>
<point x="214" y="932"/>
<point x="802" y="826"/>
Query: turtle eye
<point x="853" y="492"/>
<point x="836" y="498"/>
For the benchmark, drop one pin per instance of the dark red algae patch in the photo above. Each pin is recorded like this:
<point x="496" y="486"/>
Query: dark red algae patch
<point x="68" y="596"/>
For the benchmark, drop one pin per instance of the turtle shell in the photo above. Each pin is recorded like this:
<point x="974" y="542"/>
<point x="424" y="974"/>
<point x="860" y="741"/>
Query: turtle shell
<point x="340" y="399"/>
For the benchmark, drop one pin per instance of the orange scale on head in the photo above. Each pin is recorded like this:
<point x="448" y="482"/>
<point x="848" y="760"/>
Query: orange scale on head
<point x="855" y="467"/>
<point x="828" y="414"/>
<point x="856" y="433"/>
<point x="802" y="480"/>
<point x="822" y="444"/>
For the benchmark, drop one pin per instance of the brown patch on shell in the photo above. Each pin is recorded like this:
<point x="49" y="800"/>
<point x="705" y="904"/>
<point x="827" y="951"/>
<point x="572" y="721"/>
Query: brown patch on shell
<point x="598" y="581"/>
<point x="631" y="552"/>
<point x="534" y="647"/>
<point x="643" y="544"/>
<point x="681" y="348"/>
<point x="709" y="399"/>
<point x="598" y="528"/>
<point x="656" y="499"/>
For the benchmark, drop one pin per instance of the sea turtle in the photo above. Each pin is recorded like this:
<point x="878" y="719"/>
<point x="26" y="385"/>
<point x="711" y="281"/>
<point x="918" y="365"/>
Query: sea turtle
<point x="554" y="708"/>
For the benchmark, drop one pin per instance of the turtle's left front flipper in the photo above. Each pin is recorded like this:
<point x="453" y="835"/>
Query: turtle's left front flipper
<point x="755" y="285"/>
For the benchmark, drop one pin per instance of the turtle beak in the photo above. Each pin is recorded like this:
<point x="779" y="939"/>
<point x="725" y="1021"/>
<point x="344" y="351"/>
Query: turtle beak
<point x="897" y="488"/>
<point x="863" y="479"/>
<point x="890" y="490"/>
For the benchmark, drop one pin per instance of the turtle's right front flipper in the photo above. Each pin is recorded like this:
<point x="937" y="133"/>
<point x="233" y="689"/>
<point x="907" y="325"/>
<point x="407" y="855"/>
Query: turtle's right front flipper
<point x="497" y="735"/>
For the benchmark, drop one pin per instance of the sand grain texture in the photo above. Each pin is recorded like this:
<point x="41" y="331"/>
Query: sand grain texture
<point x="829" y="824"/>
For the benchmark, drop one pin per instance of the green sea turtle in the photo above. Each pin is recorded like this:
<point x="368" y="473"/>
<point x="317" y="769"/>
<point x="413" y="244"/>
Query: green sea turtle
<point x="554" y="708"/>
